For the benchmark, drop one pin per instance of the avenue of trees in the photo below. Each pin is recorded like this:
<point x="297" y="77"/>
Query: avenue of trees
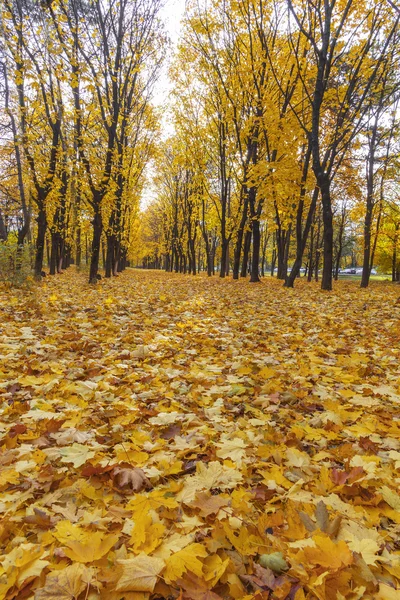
<point x="78" y="125"/>
<point x="285" y="151"/>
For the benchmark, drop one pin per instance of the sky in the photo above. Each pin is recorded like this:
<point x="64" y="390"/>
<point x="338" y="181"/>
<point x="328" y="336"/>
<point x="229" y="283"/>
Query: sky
<point x="171" y="15"/>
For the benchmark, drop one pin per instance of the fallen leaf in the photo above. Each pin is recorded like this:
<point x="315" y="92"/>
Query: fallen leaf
<point x="139" y="574"/>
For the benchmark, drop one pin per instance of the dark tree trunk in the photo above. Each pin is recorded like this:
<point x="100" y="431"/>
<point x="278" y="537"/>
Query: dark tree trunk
<point x="192" y="254"/>
<point x="239" y="241"/>
<point x="224" y="246"/>
<point x="255" y="259"/>
<point x="302" y="235"/>
<point x="395" y="269"/>
<point x="78" y="252"/>
<point x="95" y="257"/>
<point x="246" y="251"/>
<point x="54" y="252"/>
<point x="40" y="240"/>
<point x="317" y="250"/>
<point x="327" y="217"/>
<point x="109" y="256"/>
<point x="311" y="254"/>
<point x="118" y="259"/>
<point x="367" y="243"/>
<point x="273" y="262"/>
<point x="3" y="229"/>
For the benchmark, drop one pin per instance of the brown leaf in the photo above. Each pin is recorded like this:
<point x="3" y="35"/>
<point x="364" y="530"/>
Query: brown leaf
<point x="40" y="519"/>
<point x="208" y="504"/>
<point x="307" y="521"/>
<point x="196" y="589"/>
<point x="17" y="429"/>
<point x="322" y="516"/>
<point x="334" y="526"/>
<point x="130" y="479"/>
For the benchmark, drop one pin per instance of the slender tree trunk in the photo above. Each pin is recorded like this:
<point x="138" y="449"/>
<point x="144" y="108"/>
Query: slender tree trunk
<point x="311" y="253"/>
<point x="327" y="216"/>
<point x="109" y="256"/>
<point x="273" y="261"/>
<point x="95" y="257"/>
<point x="40" y="240"/>
<point x="54" y="252"/>
<point x="317" y="250"/>
<point x="222" y="271"/>
<point x="239" y="240"/>
<point x="394" y="254"/>
<point x="255" y="259"/>
<point x="302" y="235"/>
<point x="3" y="229"/>
<point x="246" y="251"/>
<point x="227" y="266"/>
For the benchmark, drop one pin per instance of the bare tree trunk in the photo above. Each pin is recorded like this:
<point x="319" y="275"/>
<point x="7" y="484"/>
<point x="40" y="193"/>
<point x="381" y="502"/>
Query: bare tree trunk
<point x="40" y="240"/>
<point x="95" y="256"/>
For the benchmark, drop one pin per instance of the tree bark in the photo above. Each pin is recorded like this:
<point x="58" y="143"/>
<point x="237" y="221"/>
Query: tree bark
<point x="40" y="240"/>
<point x="327" y="217"/>
<point x="246" y="250"/>
<point x="255" y="258"/>
<point x="95" y="256"/>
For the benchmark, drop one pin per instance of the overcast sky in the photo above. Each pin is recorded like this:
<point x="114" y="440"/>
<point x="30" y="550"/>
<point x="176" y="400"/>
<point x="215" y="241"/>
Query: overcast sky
<point x="172" y="14"/>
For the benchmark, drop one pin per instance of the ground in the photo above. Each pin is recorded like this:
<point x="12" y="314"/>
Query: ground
<point x="165" y="436"/>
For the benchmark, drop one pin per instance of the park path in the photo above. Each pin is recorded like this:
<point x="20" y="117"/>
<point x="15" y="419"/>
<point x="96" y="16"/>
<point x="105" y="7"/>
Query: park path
<point x="229" y="439"/>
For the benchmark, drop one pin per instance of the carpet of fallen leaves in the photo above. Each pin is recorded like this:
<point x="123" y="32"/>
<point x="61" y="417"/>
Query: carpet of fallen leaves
<point x="171" y="437"/>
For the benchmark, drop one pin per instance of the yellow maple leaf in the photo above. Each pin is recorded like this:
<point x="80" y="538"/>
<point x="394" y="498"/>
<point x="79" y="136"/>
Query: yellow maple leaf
<point x="65" y="531"/>
<point x="266" y="373"/>
<point x="367" y="548"/>
<point x="185" y="560"/>
<point x="93" y="548"/>
<point x="390" y="497"/>
<point x="141" y="504"/>
<point x="66" y="584"/>
<point x="214" y="568"/>
<point x="146" y="535"/>
<point x="328" y="554"/>
<point x="139" y="574"/>
<point x="245" y="542"/>
<point x="207" y="477"/>
<point x="233" y="449"/>
<point x="77" y="454"/>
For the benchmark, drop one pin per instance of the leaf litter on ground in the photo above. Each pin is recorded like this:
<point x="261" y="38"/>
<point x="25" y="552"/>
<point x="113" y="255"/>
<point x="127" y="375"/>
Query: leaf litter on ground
<point x="165" y="436"/>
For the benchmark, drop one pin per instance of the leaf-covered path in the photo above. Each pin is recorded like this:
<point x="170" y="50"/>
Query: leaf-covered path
<point x="174" y="437"/>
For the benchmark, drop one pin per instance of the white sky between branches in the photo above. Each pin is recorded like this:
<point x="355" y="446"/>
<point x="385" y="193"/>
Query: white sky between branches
<point x="171" y="15"/>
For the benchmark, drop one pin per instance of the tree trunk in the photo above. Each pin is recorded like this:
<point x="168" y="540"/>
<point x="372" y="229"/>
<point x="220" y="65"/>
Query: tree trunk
<point x="54" y="252"/>
<point x="78" y="251"/>
<point x="246" y="250"/>
<point x="327" y="216"/>
<point x="301" y="240"/>
<point x="109" y="256"/>
<point x="224" y="246"/>
<point x="95" y="257"/>
<point x="3" y="229"/>
<point x="239" y="240"/>
<point x="255" y="259"/>
<point x="367" y="245"/>
<point x="273" y="262"/>
<point x="394" y="254"/>
<point x="40" y="240"/>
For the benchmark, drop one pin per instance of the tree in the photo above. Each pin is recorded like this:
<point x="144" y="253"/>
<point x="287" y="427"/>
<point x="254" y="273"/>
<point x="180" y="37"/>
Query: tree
<point x="345" y="49"/>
